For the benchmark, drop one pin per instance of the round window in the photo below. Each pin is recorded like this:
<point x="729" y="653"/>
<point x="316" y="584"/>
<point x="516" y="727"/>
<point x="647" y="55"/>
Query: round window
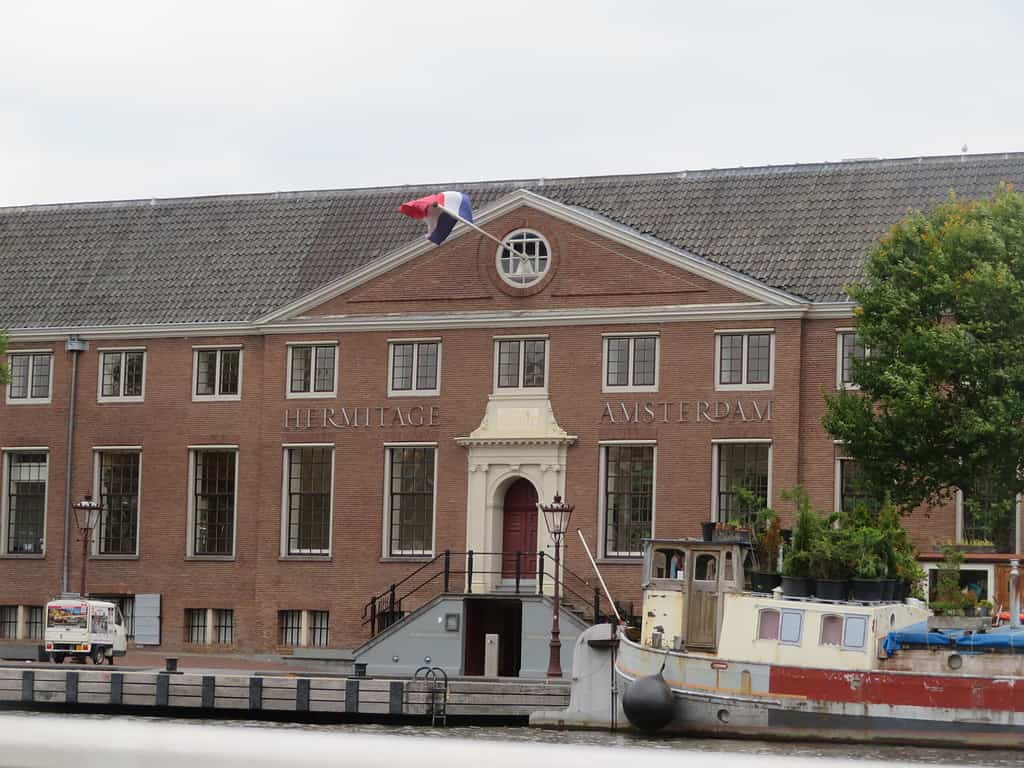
<point x="524" y="258"/>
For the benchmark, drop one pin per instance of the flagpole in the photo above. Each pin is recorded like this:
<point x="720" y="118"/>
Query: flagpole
<point x="483" y="232"/>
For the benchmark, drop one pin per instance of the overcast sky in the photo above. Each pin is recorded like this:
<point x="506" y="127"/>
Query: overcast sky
<point x="109" y="100"/>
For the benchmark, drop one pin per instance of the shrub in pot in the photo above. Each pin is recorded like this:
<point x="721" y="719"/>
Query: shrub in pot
<point x="829" y="566"/>
<point x="867" y="548"/>
<point x="765" y="544"/>
<point x="798" y="559"/>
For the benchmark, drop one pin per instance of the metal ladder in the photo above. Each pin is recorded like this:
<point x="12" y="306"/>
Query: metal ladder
<point x="438" y="680"/>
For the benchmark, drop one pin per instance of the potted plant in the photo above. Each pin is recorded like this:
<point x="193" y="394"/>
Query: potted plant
<point x="765" y="543"/>
<point x="867" y="547"/>
<point x="830" y="565"/>
<point x="985" y="608"/>
<point x="797" y="558"/>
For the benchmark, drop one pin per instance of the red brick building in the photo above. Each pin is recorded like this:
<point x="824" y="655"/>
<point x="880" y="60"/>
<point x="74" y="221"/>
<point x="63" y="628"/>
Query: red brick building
<point x="287" y="402"/>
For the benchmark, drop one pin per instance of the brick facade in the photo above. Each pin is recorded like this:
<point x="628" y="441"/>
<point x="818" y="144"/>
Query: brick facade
<point x="589" y="271"/>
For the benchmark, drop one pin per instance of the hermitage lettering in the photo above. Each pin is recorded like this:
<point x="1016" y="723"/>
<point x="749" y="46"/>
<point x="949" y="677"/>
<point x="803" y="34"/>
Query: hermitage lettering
<point x="686" y="411"/>
<point x="379" y="416"/>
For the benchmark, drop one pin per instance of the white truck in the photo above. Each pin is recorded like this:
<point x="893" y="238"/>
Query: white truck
<point x="84" y="629"/>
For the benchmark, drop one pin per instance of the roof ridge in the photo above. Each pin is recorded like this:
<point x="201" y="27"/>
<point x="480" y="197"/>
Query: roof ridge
<point x="500" y="183"/>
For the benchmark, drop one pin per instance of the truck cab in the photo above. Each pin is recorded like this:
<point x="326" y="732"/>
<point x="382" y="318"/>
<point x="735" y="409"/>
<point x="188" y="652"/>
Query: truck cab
<point x="84" y="629"/>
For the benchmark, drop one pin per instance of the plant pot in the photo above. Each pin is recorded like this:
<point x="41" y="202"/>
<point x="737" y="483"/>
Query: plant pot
<point x="888" y="589"/>
<point x="867" y="590"/>
<point x="707" y="531"/>
<point x="985" y="610"/>
<point x="732" y="536"/>
<point x="832" y="589"/>
<point x="902" y="590"/>
<point x="764" y="582"/>
<point x="797" y="586"/>
<point x="970" y="611"/>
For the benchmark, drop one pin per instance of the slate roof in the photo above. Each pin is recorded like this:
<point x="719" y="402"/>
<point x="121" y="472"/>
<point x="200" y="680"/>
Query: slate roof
<point x="804" y="229"/>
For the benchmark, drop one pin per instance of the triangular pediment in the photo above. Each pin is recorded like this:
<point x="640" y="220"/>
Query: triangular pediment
<point x="595" y="262"/>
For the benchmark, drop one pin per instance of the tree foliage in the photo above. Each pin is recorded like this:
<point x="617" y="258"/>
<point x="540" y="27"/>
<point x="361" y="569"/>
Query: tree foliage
<point x="940" y="404"/>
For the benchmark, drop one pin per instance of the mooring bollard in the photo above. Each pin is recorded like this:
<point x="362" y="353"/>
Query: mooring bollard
<point x="171" y="664"/>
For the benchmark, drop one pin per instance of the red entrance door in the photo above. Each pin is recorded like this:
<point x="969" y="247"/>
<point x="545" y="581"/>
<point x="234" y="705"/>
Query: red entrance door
<point x="519" y="532"/>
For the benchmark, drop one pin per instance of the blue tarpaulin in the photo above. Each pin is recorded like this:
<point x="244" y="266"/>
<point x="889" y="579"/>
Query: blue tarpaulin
<point x="1006" y="638"/>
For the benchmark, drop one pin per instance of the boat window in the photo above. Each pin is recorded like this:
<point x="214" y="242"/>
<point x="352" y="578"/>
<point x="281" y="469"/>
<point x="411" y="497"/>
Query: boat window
<point x="831" y="630"/>
<point x="727" y="571"/>
<point x="768" y="624"/>
<point x="792" y="624"/>
<point x="854" y="631"/>
<point x="705" y="568"/>
<point x="668" y="564"/>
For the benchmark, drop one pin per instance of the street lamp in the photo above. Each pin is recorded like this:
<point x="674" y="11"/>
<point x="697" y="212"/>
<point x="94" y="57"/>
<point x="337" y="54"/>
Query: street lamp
<point x="556" y="518"/>
<point x="87" y="515"/>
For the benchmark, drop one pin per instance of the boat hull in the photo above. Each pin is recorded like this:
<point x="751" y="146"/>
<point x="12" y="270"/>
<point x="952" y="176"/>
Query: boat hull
<point x="728" y="699"/>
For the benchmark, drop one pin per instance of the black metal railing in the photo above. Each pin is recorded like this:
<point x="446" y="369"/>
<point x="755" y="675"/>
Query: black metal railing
<point x="440" y="575"/>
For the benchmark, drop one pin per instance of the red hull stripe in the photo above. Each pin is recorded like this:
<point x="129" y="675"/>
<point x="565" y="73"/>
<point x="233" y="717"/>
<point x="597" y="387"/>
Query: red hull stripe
<point x="1000" y="694"/>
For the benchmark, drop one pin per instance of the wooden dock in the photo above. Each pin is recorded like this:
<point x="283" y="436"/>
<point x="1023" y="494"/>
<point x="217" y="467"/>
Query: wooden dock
<point x="385" y="698"/>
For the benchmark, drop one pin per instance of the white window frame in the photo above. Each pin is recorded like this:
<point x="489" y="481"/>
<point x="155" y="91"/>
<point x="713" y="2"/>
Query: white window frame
<point x="28" y="399"/>
<point x="867" y="632"/>
<point x="506" y="247"/>
<point x="100" y="397"/>
<point x="714" y="468"/>
<point x="746" y="333"/>
<point x="521" y="390"/>
<point x="988" y="568"/>
<point x="414" y="392"/>
<point x="399" y="555"/>
<point x="305" y="555"/>
<point x="5" y="456"/>
<point x="630" y="387"/>
<point x="312" y="376"/>
<point x="602" y="518"/>
<point x="217" y="396"/>
<point x="97" y="450"/>
<point x="782" y="623"/>
<point x="959" y="530"/>
<point x="840" y="384"/>
<point x="190" y="544"/>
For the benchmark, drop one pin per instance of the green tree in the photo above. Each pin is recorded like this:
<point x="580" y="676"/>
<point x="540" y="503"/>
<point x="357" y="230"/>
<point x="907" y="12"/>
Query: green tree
<point x="940" y="404"/>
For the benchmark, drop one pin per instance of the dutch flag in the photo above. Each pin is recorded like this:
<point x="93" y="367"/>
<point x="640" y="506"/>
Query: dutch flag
<point x="441" y="211"/>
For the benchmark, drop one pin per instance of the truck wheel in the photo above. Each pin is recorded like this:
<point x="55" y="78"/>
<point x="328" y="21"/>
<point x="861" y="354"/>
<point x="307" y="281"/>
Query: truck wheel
<point x="56" y="658"/>
<point x="98" y="655"/>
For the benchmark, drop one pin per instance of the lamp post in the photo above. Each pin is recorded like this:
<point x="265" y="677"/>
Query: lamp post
<point x="87" y="515"/>
<point x="556" y="518"/>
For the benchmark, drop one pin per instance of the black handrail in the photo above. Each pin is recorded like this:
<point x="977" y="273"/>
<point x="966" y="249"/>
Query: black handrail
<point x="384" y="609"/>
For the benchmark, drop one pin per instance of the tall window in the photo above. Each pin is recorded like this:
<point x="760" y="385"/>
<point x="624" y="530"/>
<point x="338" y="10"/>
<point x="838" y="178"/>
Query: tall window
<point x="411" y="500"/>
<point x="34" y="625"/>
<point x="414" y="368"/>
<point x="309" y="491"/>
<point x="218" y="374"/>
<point x="628" y="498"/>
<point x="119" y="497"/>
<point x="745" y="360"/>
<point x="312" y="370"/>
<point x="521" y="363"/>
<point x="318" y="628"/>
<point x="741" y="466"/>
<point x="289" y="627"/>
<point x="122" y="374"/>
<point x="30" y="377"/>
<point x="213" y="501"/>
<point x="848" y="350"/>
<point x="851" y="488"/>
<point x="631" y="362"/>
<point x="195" y="625"/>
<point x="224" y="626"/>
<point x="25" y="503"/>
<point x="986" y="517"/>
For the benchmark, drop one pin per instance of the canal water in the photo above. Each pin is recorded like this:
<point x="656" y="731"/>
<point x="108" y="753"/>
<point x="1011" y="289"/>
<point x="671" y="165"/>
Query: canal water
<point x="892" y="754"/>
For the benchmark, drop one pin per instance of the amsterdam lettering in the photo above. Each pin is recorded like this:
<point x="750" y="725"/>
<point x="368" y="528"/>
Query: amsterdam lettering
<point x="686" y="411"/>
<point x="370" y="417"/>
